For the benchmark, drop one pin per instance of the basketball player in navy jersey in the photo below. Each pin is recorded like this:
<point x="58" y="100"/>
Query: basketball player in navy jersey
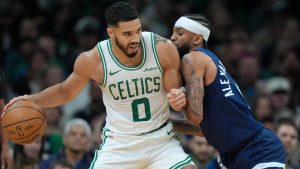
<point x="216" y="104"/>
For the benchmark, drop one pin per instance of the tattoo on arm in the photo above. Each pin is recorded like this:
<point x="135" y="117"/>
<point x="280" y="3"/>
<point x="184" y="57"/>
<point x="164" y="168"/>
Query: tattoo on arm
<point x="194" y="86"/>
<point x="160" y="39"/>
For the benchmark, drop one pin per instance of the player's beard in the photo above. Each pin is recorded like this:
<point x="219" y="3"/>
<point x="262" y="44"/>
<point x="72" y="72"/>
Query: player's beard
<point x="184" y="49"/>
<point x="125" y="49"/>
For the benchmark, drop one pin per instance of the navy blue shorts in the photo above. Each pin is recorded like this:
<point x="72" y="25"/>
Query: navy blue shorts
<point x="264" y="151"/>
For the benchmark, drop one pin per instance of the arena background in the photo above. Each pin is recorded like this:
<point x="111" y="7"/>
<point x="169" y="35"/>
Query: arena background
<point x="257" y="40"/>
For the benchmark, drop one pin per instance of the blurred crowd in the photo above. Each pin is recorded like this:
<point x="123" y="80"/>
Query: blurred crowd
<point x="257" y="40"/>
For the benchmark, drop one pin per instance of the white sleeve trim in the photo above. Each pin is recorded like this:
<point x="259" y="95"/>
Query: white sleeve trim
<point x="269" y="164"/>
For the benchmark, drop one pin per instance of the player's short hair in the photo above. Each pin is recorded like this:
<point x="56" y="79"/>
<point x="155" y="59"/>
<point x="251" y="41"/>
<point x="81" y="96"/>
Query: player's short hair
<point x="120" y="12"/>
<point x="202" y="19"/>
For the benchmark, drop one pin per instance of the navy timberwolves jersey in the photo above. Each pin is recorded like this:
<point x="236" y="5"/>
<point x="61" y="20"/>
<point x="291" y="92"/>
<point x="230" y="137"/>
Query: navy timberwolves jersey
<point x="227" y="118"/>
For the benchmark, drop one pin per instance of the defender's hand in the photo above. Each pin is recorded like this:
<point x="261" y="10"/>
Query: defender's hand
<point x="177" y="99"/>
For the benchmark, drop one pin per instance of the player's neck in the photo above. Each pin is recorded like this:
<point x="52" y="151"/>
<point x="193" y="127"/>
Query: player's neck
<point x="124" y="59"/>
<point x="195" y="47"/>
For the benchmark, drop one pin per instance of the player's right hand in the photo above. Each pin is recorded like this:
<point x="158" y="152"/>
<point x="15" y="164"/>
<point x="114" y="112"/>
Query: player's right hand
<point x="177" y="99"/>
<point x="12" y="101"/>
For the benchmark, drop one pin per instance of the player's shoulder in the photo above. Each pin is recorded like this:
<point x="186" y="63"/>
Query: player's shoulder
<point x="90" y="54"/>
<point x="160" y="40"/>
<point x="163" y="44"/>
<point x="89" y="57"/>
<point x="196" y="57"/>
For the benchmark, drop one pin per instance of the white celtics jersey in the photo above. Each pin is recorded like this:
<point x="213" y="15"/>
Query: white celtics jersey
<point x="134" y="97"/>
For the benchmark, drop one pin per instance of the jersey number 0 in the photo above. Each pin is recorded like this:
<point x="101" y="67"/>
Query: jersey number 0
<point x="135" y="109"/>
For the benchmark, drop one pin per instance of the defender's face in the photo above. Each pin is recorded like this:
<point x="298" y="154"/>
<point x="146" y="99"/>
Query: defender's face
<point x="127" y="36"/>
<point x="181" y="37"/>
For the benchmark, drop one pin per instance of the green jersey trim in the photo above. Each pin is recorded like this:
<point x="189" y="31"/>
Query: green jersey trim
<point x="103" y="64"/>
<point x="94" y="160"/>
<point x="182" y="163"/>
<point x="155" y="53"/>
<point x="124" y="66"/>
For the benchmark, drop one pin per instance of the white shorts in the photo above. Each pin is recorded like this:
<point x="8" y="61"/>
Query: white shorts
<point x="155" y="150"/>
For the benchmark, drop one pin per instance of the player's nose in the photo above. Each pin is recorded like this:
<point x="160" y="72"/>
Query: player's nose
<point x="173" y="37"/>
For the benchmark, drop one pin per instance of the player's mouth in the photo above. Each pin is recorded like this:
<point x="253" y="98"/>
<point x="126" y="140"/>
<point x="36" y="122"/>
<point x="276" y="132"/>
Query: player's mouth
<point x="134" y="47"/>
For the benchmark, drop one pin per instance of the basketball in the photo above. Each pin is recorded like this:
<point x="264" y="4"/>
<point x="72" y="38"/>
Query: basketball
<point x="24" y="122"/>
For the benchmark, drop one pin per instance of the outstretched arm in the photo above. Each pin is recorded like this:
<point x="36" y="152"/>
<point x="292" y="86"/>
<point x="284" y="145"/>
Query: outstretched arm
<point x="64" y="92"/>
<point x="193" y="73"/>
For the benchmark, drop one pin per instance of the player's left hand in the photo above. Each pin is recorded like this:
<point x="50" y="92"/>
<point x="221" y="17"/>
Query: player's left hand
<point x="177" y="99"/>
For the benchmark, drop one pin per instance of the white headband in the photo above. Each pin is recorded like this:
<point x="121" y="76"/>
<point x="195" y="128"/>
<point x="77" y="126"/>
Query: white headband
<point x="193" y="26"/>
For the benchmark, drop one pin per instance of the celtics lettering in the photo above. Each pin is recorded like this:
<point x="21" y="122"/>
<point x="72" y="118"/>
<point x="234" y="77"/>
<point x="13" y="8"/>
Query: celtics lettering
<point x="134" y="87"/>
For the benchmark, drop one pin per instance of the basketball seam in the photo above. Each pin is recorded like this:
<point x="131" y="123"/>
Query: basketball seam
<point x="40" y="111"/>
<point x="24" y="121"/>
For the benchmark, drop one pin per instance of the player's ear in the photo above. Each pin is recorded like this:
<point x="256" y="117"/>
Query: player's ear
<point x="109" y="32"/>
<point x="198" y="39"/>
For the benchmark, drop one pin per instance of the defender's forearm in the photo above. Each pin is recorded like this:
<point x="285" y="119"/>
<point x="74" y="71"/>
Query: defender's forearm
<point x="183" y="127"/>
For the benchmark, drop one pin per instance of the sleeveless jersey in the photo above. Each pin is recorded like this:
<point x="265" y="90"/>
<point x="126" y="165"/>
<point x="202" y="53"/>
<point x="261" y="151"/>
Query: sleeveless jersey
<point x="227" y="118"/>
<point x="134" y="97"/>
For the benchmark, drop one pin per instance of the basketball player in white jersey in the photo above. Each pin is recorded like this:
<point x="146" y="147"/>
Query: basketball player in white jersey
<point x="135" y="71"/>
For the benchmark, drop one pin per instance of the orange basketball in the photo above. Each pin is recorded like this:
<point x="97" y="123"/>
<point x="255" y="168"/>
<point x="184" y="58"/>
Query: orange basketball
<point x="24" y="122"/>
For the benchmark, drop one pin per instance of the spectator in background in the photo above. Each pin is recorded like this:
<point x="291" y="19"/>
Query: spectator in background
<point x="287" y="132"/>
<point x="76" y="139"/>
<point x="61" y="164"/>
<point x="263" y="111"/>
<point x="54" y="75"/>
<point x="263" y="107"/>
<point x="16" y="63"/>
<point x="53" y="135"/>
<point x="268" y="122"/>
<point x="28" y="156"/>
<point x="202" y="152"/>
<point x="287" y="64"/>
<point x="87" y="35"/>
<point x="279" y="90"/>
<point x="32" y="79"/>
<point x="28" y="28"/>
<point x="48" y="44"/>
<point x="248" y="69"/>
<point x="95" y="105"/>
<point x="38" y="65"/>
